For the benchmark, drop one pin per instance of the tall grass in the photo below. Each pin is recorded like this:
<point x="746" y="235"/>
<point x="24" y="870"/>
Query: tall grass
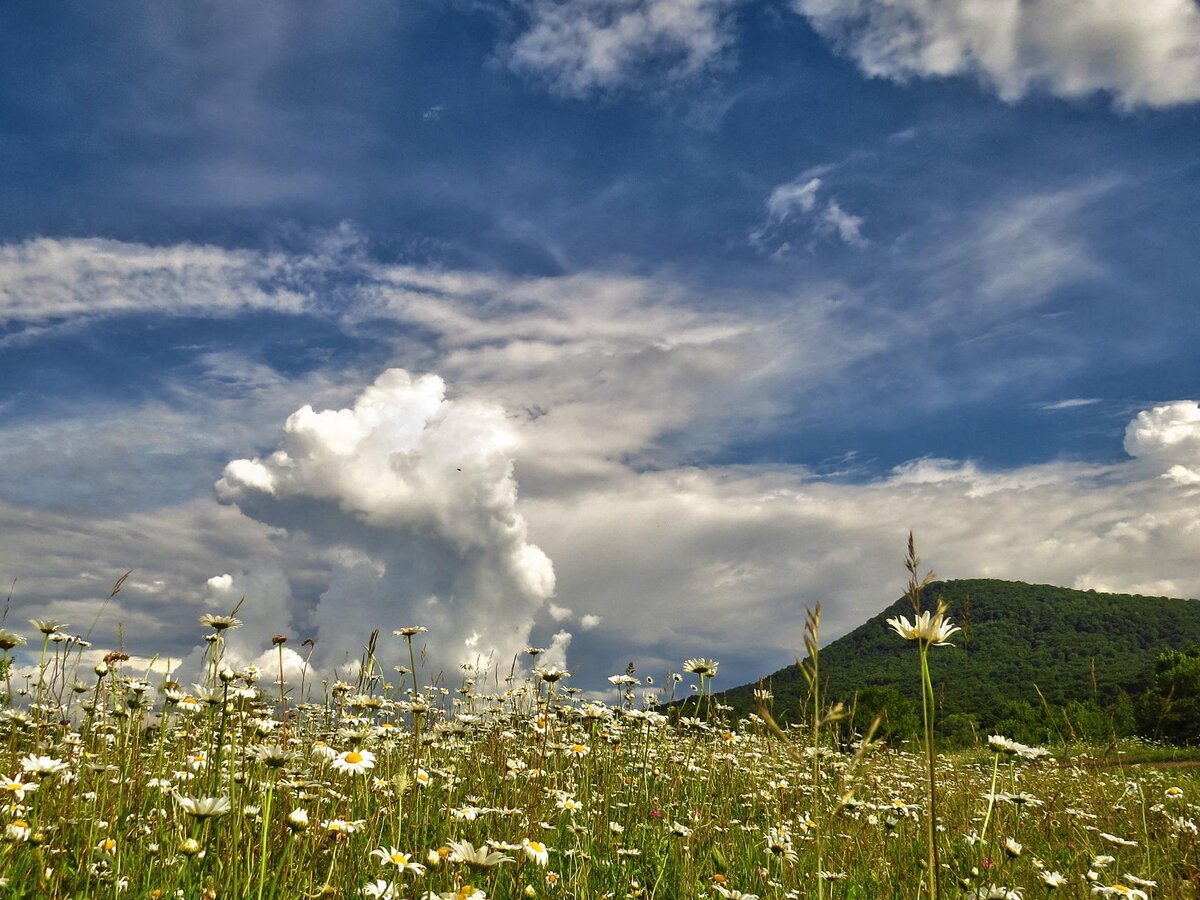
<point x="240" y="785"/>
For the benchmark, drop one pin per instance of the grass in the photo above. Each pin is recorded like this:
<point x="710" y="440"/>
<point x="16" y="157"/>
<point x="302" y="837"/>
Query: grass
<point x="104" y="777"/>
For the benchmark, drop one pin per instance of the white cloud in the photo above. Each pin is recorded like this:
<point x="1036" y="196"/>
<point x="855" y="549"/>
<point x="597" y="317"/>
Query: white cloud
<point x="420" y="489"/>
<point x="83" y="278"/>
<point x="580" y="46"/>
<point x="570" y="384"/>
<point x="1144" y="53"/>
<point x="1168" y="438"/>
<point x="1070" y="403"/>
<point x="559" y="613"/>
<point x="556" y="653"/>
<point x="799" y="200"/>
<point x="747" y="548"/>
<point x="221" y="583"/>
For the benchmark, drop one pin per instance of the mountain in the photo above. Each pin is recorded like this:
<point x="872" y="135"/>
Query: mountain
<point x="1087" y="653"/>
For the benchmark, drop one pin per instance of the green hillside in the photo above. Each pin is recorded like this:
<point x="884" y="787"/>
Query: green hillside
<point x="1090" y="654"/>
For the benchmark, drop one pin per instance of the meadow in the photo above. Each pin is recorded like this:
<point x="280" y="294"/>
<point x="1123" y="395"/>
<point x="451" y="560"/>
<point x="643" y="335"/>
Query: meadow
<point x="239" y="784"/>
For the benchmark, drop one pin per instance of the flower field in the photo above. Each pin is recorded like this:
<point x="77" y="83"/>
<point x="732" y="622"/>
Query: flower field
<point x="238" y="785"/>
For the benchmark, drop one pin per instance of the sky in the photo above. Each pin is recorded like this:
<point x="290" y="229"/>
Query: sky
<point x="624" y="328"/>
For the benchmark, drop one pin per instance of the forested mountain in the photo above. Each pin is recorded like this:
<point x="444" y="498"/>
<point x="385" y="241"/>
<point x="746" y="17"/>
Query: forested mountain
<point x="1093" y="657"/>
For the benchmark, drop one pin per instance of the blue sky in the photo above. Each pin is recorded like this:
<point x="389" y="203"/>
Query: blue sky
<point x="723" y="297"/>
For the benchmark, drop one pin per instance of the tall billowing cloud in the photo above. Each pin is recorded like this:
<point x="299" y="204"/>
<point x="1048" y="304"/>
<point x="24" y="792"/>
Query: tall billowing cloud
<point x="580" y="46"/>
<point x="1168" y="437"/>
<point x="413" y="495"/>
<point x="1144" y="53"/>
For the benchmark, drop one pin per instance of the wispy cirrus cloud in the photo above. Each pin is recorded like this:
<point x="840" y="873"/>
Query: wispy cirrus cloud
<point x="801" y="203"/>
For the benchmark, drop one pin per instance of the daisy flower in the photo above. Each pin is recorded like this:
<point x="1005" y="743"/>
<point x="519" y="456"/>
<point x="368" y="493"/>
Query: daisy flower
<point x="477" y="857"/>
<point x="705" y="668"/>
<point x="536" y="851"/>
<point x="390" y="856"/>
<point x="219" y="623"/>
<point x="204" y="807"/>
<point x="354" y="762"/>
<point x="1052" y="880"/>
<point x="927" y="627"/>
<point x="380" y="889"/>
<point x="1119" y="890"/>
<point x="18" y="788"/>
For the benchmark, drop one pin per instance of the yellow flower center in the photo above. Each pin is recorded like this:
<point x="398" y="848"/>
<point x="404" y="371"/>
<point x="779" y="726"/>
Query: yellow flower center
<point x="354" y="757"/>
<point x="536" y="847"/>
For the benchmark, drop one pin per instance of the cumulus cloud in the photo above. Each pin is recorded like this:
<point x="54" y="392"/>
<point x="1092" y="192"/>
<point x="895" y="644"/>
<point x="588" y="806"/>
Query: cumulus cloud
<point x="358" y="516"/>
<point x="1143" y="54"/>
<point x="580" y="46"/>
<point x="1168" y="437"/>
<point x="800" y="201"/>
<point x="418" y="491"/>
<point x="263" y="599"/>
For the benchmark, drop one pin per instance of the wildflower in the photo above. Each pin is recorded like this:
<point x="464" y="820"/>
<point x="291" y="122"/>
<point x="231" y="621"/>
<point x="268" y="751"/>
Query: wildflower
<point x="1113" y="839"/>
<point x="705" y="668"/>
<point x="476" y="857"/>
<point x="204" y="807"/>
<point x="273" y="757"/>
<point x="1140" y="882"/>
<point x="10" y="640"/>
<point x="779" y="843"/>
<point x="219" y="623"/>
<point x="409" y="631"/>
<point x="190" y="847"/>
<point x="734" y="895"/>
<point x="1012" y="848"/>
<point x="383" y="890"/>
<point x="403" y="862"/>
<point x="569" y="804"/>
<point x="536" y="851"/>
<point x="928" y="627"/>
<point x="107" y="845"/>
<point x="18" y="788"/>
<point x="297" y="819"/>
<point x="1173" y="793"/>
<point x="1119" y="890"/>
<point x="680" y="830"/>
<point x="47" y="626"/>
<point x="17" y="830"/>
<point x="354" y="762"/>
<point x="1052" y="880"/>
<point x="551" y="674"/>
<point x="340" y="825"/>
<point x="996" y="892"/>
